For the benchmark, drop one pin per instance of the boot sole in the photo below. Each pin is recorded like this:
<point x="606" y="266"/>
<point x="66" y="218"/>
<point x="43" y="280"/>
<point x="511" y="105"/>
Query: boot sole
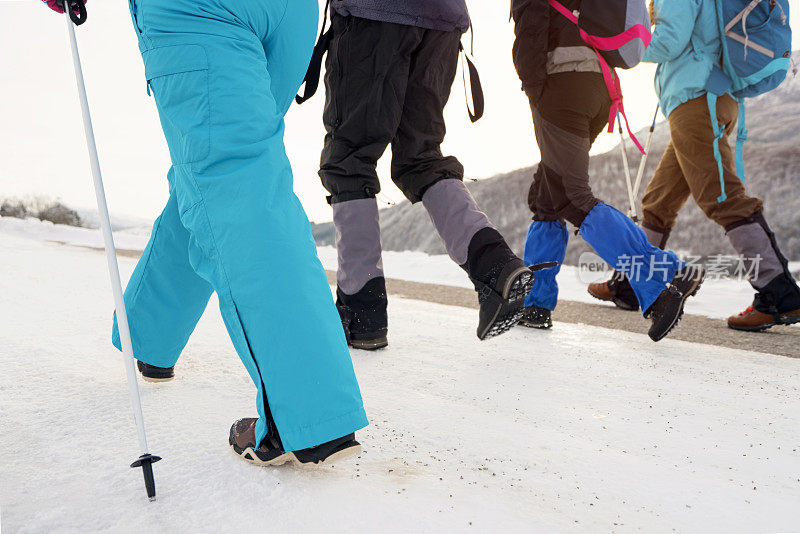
<point x="618" y="303"/>
<point x="538" y="326"/>
<point x="679" y="316"/>
<point x="372" y="344"/>
<point x="157" y="380"/>
<point x="290" y="457"/>
<point x="785" y="321"/>
<point x="510" y="312"/>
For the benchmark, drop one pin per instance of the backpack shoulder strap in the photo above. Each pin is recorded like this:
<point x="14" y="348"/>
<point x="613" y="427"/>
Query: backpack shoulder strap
<point x="311" y="80"/>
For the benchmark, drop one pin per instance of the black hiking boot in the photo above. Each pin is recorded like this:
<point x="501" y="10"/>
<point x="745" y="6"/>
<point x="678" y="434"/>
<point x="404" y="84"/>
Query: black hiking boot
<point x="667" y="311"/>
<point x="243" y="436"/>
<point x="536" y="317"/>
<point x="502" y="300"/>
<point x="151" y="373"/>
<point x="329" y="452"/>
<point x="501" y="279"/>
<point x="363" y="315"/>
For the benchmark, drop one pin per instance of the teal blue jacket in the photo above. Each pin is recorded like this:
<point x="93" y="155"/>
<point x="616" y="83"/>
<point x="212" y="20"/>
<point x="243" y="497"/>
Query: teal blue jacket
<point x="686" y="45"/>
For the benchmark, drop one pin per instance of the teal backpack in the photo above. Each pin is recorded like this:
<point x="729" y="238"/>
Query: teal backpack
<point x="756" y="56"/>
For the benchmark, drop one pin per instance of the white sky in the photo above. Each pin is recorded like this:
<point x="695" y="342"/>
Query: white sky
<point x="42" y="150"/>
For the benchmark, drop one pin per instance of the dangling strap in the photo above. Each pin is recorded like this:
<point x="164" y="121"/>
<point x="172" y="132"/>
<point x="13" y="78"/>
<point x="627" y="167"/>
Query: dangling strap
<point x="478" y="104"/>
<point x="741" y="137"/>
<point x="313" y="73"/>
<point x="615" y="92"/>
<point x="719" y="131"/>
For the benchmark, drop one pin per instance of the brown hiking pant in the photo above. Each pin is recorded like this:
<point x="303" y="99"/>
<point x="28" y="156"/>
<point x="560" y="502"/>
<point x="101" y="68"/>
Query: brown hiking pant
<point x="688" y="168"/>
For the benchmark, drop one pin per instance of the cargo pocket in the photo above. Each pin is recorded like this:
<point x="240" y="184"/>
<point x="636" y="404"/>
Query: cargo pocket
<point x="178" y="77"/>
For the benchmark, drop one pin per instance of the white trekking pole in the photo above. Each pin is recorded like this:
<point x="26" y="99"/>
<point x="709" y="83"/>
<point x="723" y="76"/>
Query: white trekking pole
<point x="146" y="460"/>
<point x="628" y="179"/>
<point x="643" y="161"/>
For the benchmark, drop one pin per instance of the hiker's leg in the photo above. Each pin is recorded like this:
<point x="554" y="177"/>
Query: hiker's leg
<point x="419" y="168"/>
<point x="665" y="194"/>
<point x="223" y="83"/>
<point x="417" y="160"/>
<point x="165" y="297"/>
<point x="366" y="77"/>
<point x="562" y="123"/>
<point x="740" y="214"/>
<point x="367" y="71"/>
<point x="546" y="241"/>
<point x="693" y="139"/>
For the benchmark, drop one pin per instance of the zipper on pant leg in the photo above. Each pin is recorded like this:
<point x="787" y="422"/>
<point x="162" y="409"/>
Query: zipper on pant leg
<point x="272" y="429"/>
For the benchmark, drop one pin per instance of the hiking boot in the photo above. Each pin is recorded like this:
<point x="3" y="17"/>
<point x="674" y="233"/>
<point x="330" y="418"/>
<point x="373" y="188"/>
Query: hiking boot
<point x="151" y="373"/>
<point x="363" y="315"/>
<point x="536" y="317"/>
<point x="501" y="279"/>
<point x="503" y="298"/>
<point x="617" y="290"/>
<point x="328" y="453"/>
<point x="752" y="320"/>
<point x="242" y="440"/>
<point x="667" y="310"/>
<point x="243" y="436"/>
<point x="777" y="303"/>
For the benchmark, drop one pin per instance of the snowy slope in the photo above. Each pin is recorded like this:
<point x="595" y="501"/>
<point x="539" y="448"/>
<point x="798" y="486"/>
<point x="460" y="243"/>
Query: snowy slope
<point x="129" y="239"/>
<point x="576" y="430"/>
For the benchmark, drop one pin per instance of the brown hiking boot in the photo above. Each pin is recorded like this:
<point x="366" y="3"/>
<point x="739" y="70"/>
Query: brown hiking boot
<point x="600" y="291"/>
<point x="242" y="440"/>
<point x="617" y="290"/>
<point x="752" y="320"/>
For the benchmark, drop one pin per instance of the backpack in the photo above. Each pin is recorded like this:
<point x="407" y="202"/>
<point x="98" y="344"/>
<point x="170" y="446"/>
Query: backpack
<point x="619" y="32"/>
<point x="755" y="59"/>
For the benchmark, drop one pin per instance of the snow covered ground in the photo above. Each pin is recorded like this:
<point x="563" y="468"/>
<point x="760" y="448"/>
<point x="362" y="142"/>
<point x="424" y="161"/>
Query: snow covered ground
<point x="718" y="299"/>
<point x="130" y="238"/>
<point x="580" y="429"/>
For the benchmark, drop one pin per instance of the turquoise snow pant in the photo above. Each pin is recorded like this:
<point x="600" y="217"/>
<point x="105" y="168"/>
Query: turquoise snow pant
<point x="624" y="246"/>
<point x="547" y="241"/>
<point x="224" y="73"/>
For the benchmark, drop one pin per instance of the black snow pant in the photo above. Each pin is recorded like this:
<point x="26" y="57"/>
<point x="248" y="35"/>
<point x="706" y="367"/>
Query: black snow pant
<point x="568" y="115"/>
<point x="386" y="83"/>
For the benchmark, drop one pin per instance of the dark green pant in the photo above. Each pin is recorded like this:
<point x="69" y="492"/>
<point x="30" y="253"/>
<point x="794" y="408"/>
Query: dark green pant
<point x="386" y="83"/>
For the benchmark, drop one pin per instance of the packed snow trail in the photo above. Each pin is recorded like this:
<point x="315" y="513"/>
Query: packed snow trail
<point x="578" y="429"/>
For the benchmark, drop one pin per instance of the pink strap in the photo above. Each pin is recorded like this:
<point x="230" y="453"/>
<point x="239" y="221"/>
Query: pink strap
<point x="609" y="75"/>
<point x="558" y="6"/>
<point x="618" y="41"/>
